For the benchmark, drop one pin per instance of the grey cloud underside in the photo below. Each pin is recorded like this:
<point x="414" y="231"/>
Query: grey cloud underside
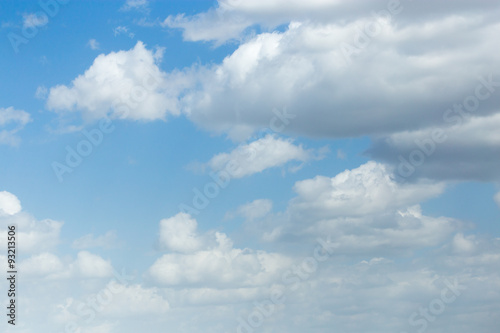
<point x="404" y="78"/>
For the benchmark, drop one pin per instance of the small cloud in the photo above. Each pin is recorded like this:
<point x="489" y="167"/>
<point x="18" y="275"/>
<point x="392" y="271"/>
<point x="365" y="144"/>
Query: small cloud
<point x="123" y="30"/>
<point x="43" y="60"/>
<point x="106" y="241"/>
<point x="35" y="20"/>
<point x="11" y="122"/>
<point x="131" y="160"/>
<point x="253" y="210"/>
<point x="41" y="92"/>
<point x="341" y="154"/>
<point x="93" y="44"/>
<point x="497" y="199"/>
<point x="135" y="5"/>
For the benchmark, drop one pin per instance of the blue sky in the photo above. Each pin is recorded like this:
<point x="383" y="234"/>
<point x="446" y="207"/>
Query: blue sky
<point x="371" y="128"/>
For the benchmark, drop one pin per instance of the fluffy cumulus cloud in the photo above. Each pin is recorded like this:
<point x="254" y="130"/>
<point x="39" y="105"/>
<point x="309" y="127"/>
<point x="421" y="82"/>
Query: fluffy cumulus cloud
<point x="354" y="250"/>
<point x="349" y="73"/>
<point x="178" y="234"/>
<point x="204" y="283"/>
<point x="215" y="264"/>
<point x="364" y="210"/>
<point x="257" y="156"/>
<point x="354" y="76"/>
<point x="9" y="204"/>
<point x="124" y="84"/>
<point x="11" y="122"/>
<point x="368" y="189"/>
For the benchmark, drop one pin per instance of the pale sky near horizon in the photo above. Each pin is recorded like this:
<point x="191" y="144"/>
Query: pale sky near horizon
<point x="251" y="165"/>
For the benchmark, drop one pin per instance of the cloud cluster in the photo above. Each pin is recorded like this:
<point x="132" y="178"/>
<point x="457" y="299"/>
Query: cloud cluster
<point x="209" y="260"/>
<point x="363" y="210"/>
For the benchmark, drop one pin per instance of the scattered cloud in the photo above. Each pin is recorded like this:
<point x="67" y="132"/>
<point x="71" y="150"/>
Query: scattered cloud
<point x="11" y="122"/>
<point x="257" y="156"/>
<point x="135" y="5"/>
<point x="123" y="30"/>
<point x="213" y="264"/>
<point x="106" y="241"/>
<point x="93" y="44"/>
<point x="255" y="210"/>
<point x="35" y="20"/>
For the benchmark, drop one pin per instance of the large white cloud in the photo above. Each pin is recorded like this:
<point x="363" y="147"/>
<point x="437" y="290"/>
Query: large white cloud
<point x="340" y="68"/>
<point x="363" y="210"/>
<point x="124" y="84"/>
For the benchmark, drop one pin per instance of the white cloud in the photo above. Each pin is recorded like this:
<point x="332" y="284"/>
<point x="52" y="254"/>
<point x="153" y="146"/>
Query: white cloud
<point x="9" y="204"/>
<point x="43" y="264"/>
<point x="35" y="20"/>
<point x="11" y="122"/>
<point x="135" y="300"/>
<point x="497" y="199"/>
<point x="363" y="210"/>
<point x="218" y="24"/>
<point x="463" y="244"/>
<point x="368" y="189"/>
<point x="217" y="264"/>
<point x="178" y="234"/>
<point x="387" y="85"/>
<point x="41" y="92"/>
<point x="119" y="30"/>
<point x="125" y="84"/>
<point x="108" y="240"/>
<point x="89" y="265"/>
<point x="255" y="209"/>
<point x="37" y="236"/>
<point x="135" y="4"/>
<point x="259" y="155"/>
<point x="93" y="44"/>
